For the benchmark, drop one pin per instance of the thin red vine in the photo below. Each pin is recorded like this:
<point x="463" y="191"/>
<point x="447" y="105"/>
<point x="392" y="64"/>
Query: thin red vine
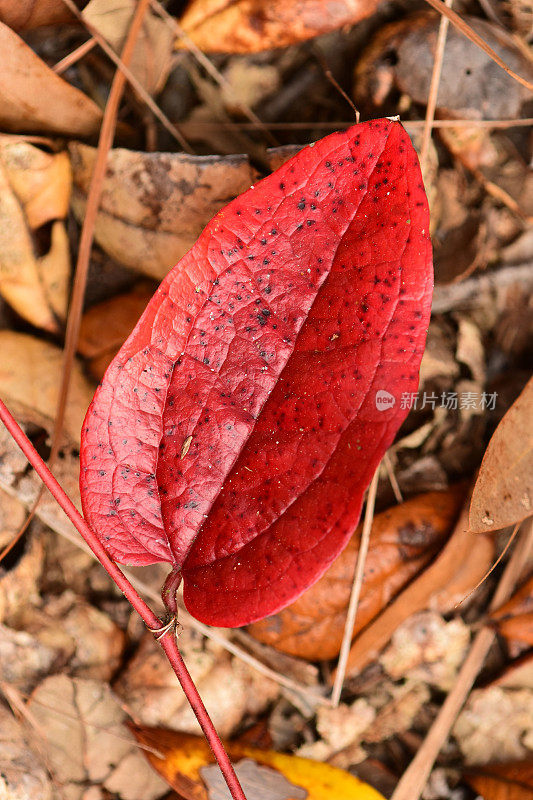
<point x="167" y="639"/>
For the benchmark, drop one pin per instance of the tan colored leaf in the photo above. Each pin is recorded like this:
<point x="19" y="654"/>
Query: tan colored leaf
<point x="514" y="620"/>
<point x="19" y="584"/>
<point x="152" y="56"/>
<point x="30" y="375"/>
<point x="154" y="205"/>
<point x="22" y="15"/>
<point x="249" y="26"/>
<point x="404" y="539"/>
<point x="185" y="759"/>
<point x="462" y="563"/>
<point x="503" y="494"/>
<point x="34" y="98"/>
<point x="512" y="781"/>
<point x="106" y="325"/>
<point x="35" y="189"/>
<point x="86" y="741"/>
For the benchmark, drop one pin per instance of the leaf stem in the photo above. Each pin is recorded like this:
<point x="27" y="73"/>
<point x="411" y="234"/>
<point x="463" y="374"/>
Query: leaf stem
<point x="168" y="641"/>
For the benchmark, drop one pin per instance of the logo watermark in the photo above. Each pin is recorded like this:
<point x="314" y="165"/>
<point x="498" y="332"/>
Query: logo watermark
<point x="452" y="401"/>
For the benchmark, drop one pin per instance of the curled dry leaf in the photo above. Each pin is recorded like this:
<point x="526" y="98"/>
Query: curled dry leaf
<point x="471" y="86"/>
<point x="19" y="582"/>
<point x="155" y="205"/>
<point x="86" y="742"/>
<point x="511" y="781"/>
<point x="30" y="375"/>
<point x="403" y="540"/>
<point x="152" y="56"/>
<point x="34" y="190"/>
<point x="23" y="15"/>
<point x="34" y="98"/>
<point x="105" y="327"/>
<point x="184" y="762"/>
<point x="236" y="431"/>
<point x="447" y="581"/>
<point x="514" y="619"/>
<point x="503" y="494"/>
<point x="249" y="26"/>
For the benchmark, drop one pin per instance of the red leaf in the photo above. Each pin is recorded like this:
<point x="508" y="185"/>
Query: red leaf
<point x="236" y="430"/>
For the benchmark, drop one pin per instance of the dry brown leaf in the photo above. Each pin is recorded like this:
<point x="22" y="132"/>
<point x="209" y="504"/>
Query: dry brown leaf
<point x="22" y="773"/>
<point x="152" y="56"/>
<point x="155" y="205"/>
<point x="514" y="620"/>
<point x="34" y="189"/>
<point x="462" y="563"/>
<point x="496" y="724"/>
<point x="472" y="85"/>
<point x="34" y="98"/>
<point x="403" y="540"/>
<point x="23" y="15"/>
<point x="30" y="372"/>
<point x="105" y="326"/>
<point x="518" y="674"/>
<point x="503" y="494"/>
<point x="512" y="781"/>
<point x="86" y="741"/>
<point x="249" y="26"/>
<point x="24" y="660"/>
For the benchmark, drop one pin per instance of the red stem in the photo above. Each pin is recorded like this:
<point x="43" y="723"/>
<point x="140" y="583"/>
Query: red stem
<point x="168" y="640"/>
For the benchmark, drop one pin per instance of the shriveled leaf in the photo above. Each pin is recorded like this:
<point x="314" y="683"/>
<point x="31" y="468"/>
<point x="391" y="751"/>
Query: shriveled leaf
<point x="514" y="619"/>
<point x="249" y="26"/>
<point x="23" y="15"/>
<point x="186" y="767"/>
<point x="106" y="326"/>
<point x="34" y="98"/>
<point x="447" y="581"/>
<point x="34" y="190"/>
<point x="22" y="771"/>
<point x="503" y="494"/>
<point x="512" y="781"/>
<point x="155" y="205"/>
<point x="30" y="375"/>
<point x="403" y="540"/>
<point x="472" y="85"/>
<point x="236" y="431"/>
<point x="152" y="57"/>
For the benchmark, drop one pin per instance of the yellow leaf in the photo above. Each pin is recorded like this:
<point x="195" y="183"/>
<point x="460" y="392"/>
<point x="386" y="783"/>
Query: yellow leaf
<point x="183" y="756"/>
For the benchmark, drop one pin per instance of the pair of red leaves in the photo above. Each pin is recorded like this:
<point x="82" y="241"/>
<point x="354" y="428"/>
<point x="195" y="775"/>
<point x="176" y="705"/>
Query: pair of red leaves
<point x="237" y="429"/>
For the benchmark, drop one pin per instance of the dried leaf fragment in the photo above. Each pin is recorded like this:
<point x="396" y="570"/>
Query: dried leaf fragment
<point x="514" y="619"/>
<point x="503" y="494"/>
<point x="510" y="781"/>
<point x="23" y="15"/>
<point x="249" y="26"/>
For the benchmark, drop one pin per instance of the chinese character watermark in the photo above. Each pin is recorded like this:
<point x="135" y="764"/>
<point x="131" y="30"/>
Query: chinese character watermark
<point x="476" y="401"/>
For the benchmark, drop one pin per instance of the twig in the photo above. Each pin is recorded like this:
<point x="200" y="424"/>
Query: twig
<point x="413" y="125"/>
<point x="414" y="779"/>
<point x="168" y="641"/>
<point x="457" y="295"/>
<point x="130" y="77"/>
<point x="434" y="87"/>
<point x="476" y="39"/>
<point x="75" y="56"/>
<point x="356" y="591"/>
<point x="387" y="461"/>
